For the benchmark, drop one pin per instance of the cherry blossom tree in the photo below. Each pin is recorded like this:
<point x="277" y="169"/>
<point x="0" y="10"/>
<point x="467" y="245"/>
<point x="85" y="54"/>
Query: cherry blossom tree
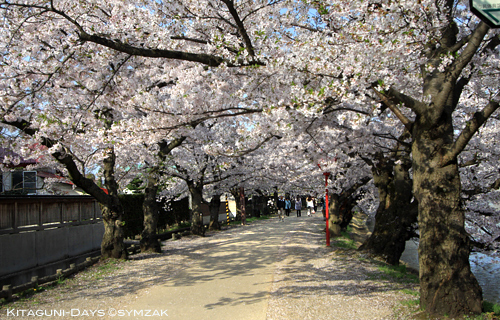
<point x="424" y="61"/>
<point x="77" y="76"/>
<point x="74" y="69"/>
<point x="480" y="185"/>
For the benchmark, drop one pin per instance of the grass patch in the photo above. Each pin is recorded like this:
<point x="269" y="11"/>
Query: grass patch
<point x="104" y="268"/>
<point x="345" y="241"/>
<point x="251" y="219"/>
<point x="411" y="303"/>
<point x="411" y="292"/>
<point x="492" y="309"/>
<point x="399" y="273"/>
<point x="181" y="225"/>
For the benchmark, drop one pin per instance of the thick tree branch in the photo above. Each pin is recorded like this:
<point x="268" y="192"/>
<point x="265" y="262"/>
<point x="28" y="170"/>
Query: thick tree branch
<point x="496" y="184"/>
<point x="206" y="59"/>
<point x="241" y="28"/>
<point x="65" y="158"/>
<point x="470" y="129"/>
<point x="167" y="147"/>
<point x="459" y="64"/>
<point x="408" y="101"/>
<point x="406" y="122"/>
<point x="347" y="193"/>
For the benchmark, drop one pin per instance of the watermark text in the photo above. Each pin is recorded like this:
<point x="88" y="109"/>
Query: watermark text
<point x="85" y="313"/>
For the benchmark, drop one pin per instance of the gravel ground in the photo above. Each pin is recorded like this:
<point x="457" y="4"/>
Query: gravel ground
<point x="311" y="281"/>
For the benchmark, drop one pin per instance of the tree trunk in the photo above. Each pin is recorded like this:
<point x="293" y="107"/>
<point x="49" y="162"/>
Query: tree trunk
<point x="149" y="242"/>
<point x="196" y="191"/>
<point x="112" y="245"/>
<point x="214" y="213"/>
<point x="447" y="285"/>
<point x="243" y="206"/>
<point x="275" y="202"/>
<point x="261" y="205"/>
<point x="345" y="211"/>
<point x="395" y="215"/>
<point x="334" y="219"/>
<point x="340" y="208"/>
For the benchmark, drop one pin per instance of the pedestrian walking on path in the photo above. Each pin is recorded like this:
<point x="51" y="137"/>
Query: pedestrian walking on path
<point x="288" y="206"/>
<point x="298" y="206"/>
<point x="310" y="206"/>
<point x="281" y="208"/>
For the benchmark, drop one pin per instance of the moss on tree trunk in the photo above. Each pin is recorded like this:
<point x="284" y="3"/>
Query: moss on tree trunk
<point x="395" y="215"/>
<point x="149" y="241"/>
<point x="196" y="192"/>
<point x="112" y="245"/>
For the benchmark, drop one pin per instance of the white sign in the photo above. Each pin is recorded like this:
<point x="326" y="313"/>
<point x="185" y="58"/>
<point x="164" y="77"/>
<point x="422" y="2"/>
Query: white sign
<point x="487" y="10"/>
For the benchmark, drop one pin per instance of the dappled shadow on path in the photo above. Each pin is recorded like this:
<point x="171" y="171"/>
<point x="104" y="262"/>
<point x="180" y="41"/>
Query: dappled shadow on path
<point x="313" y="281"/>
<point x="292" y="255"/>
<point x="242" y="251"/>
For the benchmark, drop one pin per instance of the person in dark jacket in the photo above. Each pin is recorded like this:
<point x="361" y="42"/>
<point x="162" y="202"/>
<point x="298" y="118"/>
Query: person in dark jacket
<point x="298" y="206"/>
<point x="281" y="208"/>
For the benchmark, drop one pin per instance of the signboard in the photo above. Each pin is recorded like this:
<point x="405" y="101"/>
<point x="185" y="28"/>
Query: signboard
<point x="487" y="10"/>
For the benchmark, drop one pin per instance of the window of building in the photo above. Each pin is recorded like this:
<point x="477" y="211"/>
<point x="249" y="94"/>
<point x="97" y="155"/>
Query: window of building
<point x="29" y="179"/>
<point x="19" y="182"/>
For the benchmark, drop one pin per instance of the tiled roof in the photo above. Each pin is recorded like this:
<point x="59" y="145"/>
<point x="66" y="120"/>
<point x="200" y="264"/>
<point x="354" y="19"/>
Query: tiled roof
<point x="8" y="153"/>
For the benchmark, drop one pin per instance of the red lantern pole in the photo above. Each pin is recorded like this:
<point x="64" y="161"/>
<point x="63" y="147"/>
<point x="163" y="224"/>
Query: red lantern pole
<point x="327" y="174"/>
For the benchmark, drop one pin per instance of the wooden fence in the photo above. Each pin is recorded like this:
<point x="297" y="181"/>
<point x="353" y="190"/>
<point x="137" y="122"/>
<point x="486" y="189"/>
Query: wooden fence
<point x="34" y="213"/>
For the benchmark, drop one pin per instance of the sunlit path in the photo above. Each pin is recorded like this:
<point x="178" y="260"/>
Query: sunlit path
<point x="232" y="276"/>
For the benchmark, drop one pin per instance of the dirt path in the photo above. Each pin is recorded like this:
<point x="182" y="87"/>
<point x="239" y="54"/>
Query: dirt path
<point x="267" y="270"/>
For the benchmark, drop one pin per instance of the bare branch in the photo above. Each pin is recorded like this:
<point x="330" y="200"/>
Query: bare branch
<point x="241" y="28"/>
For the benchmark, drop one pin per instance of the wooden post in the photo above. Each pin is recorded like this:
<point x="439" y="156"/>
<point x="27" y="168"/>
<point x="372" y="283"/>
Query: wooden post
<point x="227" y="210"/>
<point x="13" y="216"/>
<point x="60" y="212"/>
<point x="8" y="289"/>
<point x="40" y="219"/>
<point x="34" y="281"/>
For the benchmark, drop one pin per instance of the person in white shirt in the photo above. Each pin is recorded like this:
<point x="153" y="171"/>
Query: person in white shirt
<point x="310" y="205"/>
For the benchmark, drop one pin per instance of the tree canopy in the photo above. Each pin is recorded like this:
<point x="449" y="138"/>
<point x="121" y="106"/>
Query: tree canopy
<point x="258" y="93"/>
